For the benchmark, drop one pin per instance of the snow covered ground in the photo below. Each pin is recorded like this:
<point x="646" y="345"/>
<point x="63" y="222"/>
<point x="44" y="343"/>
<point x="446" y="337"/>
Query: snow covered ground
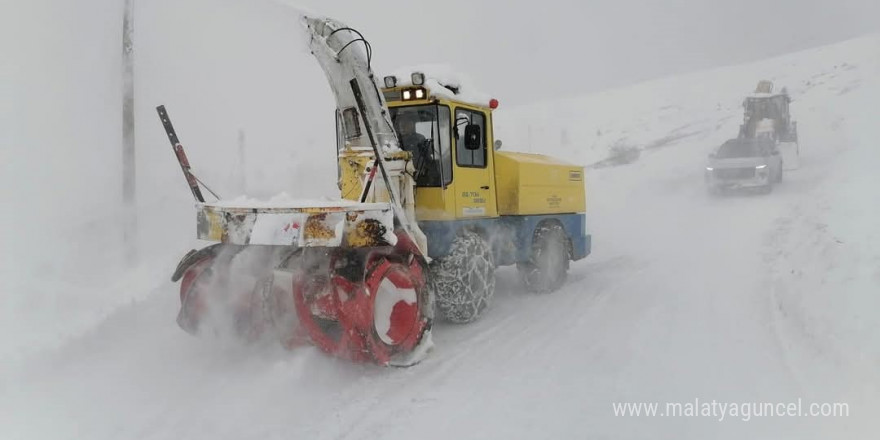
<point x="737" y="299"/>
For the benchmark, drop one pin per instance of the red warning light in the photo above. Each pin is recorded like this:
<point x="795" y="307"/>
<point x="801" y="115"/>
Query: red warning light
<point x="493" y="103"/>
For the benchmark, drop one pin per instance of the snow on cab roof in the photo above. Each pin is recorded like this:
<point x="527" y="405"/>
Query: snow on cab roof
<point x="443" y="80"/>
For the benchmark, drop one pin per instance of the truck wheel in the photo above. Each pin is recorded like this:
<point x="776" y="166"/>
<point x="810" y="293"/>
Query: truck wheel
<point x="464" y="280"/>
<point x="548" y="267"/>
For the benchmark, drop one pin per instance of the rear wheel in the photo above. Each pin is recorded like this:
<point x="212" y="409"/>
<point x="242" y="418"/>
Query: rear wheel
<point x="464" y="280"/>
<point x="547" y="269"/>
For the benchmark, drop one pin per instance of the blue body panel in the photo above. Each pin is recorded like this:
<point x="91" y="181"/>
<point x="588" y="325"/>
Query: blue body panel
<point x="510" y="236"/>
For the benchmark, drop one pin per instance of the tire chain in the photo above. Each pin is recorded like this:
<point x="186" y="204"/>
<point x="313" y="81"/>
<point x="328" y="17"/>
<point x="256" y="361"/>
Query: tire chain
<point x="464" y="281"/>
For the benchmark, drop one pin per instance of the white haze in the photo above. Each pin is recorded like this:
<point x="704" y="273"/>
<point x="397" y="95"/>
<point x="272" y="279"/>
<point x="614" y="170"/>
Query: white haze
<point x="531" y="51"/>
<point x="745" y="298"/>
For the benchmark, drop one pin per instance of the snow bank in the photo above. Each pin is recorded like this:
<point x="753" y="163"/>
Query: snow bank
<point x="823" y="253"/>
<point x="240" y="87"/>
<point x="825" y="256"/>
<point x="702" y="106"/>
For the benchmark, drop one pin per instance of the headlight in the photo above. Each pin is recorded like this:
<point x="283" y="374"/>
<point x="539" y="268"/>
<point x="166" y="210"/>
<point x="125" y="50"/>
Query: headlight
<point x="761" y="167"/>
<point x="390" y="81"/>
<point x="709" y="168"/>
<point x="415" y="93"/>
<point x="418" y="78"/>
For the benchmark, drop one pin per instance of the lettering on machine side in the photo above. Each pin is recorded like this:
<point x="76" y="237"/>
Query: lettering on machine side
<point x="473" y="211"/>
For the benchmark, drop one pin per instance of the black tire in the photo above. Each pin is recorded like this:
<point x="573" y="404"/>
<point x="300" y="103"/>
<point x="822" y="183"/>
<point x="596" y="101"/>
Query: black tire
<point x="464" y="280"/>
<point x="548" y="267"/>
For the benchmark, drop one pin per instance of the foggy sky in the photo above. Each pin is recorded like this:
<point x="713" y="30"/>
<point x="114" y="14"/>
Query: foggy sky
<point x="524" y="51"/>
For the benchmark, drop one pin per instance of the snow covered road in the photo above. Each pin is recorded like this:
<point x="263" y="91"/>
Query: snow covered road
<point x="675" y="304"/>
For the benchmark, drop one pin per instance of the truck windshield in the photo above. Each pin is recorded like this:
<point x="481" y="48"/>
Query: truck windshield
<point x="424" y="130"/>
<point x="739" y="148"/>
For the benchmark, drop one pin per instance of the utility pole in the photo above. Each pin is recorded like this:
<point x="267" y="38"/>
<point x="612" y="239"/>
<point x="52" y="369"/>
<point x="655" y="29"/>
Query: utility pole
<point x="242" y="169"/>
<point x="128" y="152"/>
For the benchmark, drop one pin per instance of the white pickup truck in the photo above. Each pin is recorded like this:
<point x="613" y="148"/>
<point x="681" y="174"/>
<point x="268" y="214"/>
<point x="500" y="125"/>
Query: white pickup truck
<point x="748" y="164"/>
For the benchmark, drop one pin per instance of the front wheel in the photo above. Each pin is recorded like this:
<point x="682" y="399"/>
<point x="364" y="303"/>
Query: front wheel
<point x="547" y="269"/>
<point x="464" y="280"/>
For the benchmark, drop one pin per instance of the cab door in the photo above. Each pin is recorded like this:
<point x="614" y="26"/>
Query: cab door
<point x="474" y="180"/>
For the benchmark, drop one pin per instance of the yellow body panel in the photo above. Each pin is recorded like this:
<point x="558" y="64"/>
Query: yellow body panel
<point x="537" y="184"/>
<point x="352" y="166"/>
<point x="435" y="203"/>
<point x="510" y="184"/>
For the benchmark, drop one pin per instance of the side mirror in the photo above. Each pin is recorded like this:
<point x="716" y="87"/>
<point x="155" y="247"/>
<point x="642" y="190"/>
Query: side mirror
<point x="775" y="152"/>
<point x="497" y="144"/>
<point x="472" y="137"/>
<point x="711" y="155"/>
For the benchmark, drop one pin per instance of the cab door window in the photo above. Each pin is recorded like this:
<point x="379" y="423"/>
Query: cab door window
<point x="475" y="158"/>
<point x="423" y="130"/>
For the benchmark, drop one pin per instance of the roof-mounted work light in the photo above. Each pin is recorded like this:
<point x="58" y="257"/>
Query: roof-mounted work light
<point x="414" y="93"/>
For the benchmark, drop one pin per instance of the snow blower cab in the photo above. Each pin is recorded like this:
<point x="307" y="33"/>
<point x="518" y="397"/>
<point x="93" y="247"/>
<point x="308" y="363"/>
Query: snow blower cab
<point x="766" y="115"/>
<point x="446" y="136"/>
<point x="479" y="208"/>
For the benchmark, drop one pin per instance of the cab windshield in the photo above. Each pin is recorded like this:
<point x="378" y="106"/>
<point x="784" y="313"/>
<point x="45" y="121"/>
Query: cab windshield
<point x="770" y="108"/>
<point x="740" y="148"/>
<point x="423" y="130"/>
